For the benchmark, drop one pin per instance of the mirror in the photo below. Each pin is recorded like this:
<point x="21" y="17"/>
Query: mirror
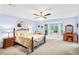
<point x="69" y="29"/>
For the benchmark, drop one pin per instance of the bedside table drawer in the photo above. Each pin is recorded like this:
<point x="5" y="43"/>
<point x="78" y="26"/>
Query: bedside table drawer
<point x="8" y="42"/>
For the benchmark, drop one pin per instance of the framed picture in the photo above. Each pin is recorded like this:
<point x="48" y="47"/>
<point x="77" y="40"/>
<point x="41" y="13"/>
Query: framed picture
<point x="78" y="25"/>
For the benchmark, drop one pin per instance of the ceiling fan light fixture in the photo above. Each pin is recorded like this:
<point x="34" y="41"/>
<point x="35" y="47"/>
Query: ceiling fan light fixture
<point x="41" y="18"/>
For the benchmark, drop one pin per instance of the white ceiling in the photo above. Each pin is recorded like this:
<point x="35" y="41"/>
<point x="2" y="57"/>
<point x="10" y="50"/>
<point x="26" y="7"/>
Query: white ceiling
<point x="27" y="10"/>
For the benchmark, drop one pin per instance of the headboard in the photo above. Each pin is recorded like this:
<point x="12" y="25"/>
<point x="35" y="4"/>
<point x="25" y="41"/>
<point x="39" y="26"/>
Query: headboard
<point x="21" y="32"/>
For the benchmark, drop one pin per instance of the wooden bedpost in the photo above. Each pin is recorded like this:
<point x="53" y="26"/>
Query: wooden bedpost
<point x="44" y="38"/>
<point x="32" y="45"/>
<point x="14" y="33"/>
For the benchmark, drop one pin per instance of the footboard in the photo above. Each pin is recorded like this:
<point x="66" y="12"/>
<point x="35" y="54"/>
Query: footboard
<point x="28" y="42"/>
<point x="44" y="38"/>
<point x="26" y="39"/>
<point x="32" y="43"/>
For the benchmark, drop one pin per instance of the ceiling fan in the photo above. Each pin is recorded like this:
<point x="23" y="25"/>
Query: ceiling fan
<point x="42" y="14"/>
<point x="12" y="5"/>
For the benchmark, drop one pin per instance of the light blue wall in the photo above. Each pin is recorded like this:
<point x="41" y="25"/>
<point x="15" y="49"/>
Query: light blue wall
<point x="11" y="21"/>
<point x="64" y="21"/>
<point x="7" y="21"/>
<point x="78" y="28"/>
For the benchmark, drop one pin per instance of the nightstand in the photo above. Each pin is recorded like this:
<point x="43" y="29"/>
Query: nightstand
<point x="8" y="42"/>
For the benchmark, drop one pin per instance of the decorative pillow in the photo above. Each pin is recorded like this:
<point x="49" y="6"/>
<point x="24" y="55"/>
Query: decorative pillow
<point x="37" y="33"/>
<point x="18" y="33"/>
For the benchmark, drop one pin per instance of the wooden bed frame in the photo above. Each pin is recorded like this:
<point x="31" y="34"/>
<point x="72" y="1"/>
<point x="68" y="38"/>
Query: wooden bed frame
<point x="32" y="41"/>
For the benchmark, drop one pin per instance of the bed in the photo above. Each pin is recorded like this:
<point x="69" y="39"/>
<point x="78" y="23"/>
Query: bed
<point x="28" y="40"/>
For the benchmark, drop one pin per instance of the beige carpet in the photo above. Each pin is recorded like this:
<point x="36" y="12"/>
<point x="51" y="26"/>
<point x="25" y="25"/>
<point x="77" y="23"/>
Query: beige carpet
<point x="51" y="47"/>
<point x="15" y="50"/>
<point x="57" y="47"/>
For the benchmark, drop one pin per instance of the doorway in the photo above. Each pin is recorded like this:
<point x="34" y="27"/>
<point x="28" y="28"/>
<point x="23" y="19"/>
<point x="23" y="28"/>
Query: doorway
<point x="53" y="30"/>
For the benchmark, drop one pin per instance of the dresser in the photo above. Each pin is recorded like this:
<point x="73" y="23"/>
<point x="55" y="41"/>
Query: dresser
<point x="8" y="42"/>
<point x="70" y="37"/>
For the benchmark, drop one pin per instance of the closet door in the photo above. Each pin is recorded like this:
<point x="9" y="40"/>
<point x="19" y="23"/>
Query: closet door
<point x="55" y="30"/>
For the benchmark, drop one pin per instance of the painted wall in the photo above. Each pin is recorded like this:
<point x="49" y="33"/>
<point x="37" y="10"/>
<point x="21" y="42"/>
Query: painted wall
<point x="7" y="22"/>
<point x="64" y="21"/>
<point x="78" y="28"/>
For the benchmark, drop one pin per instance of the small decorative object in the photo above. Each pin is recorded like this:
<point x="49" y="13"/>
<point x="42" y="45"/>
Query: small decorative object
<point x="78" y="25"/>
<point x="41" y="26"/>
<point x="19" y="23"/>
<point x="8" y="31"/>
<point x="38" y="26"/>
<point x="74" y="33"/>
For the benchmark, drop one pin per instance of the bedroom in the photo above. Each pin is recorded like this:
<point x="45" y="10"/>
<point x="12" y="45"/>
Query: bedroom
<point x="31" y="18"/>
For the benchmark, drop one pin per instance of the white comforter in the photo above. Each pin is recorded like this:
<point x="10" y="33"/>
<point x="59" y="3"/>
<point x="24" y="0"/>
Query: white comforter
<point x="38" y="39"/>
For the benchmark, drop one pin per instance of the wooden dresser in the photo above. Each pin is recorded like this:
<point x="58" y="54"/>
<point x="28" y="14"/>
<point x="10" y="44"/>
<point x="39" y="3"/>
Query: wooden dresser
<point x="74" y="37"/>
<point x="8" y="42"/>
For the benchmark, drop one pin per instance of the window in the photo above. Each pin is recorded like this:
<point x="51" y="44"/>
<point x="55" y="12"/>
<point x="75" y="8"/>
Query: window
<point x="53" y="28"/>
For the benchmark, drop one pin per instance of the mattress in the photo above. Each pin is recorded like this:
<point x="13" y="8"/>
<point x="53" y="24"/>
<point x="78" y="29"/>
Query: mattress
<point x="38" y="39"/>
<point x="24" y="38"/>
<point x="38" y="42"/>
<point x="35" y="36"/>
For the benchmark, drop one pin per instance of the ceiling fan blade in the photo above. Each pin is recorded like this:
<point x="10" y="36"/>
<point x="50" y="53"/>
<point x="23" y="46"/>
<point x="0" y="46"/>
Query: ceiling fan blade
<point x="36" y="14"/>
<point x="47" y="14"/>
<point x="41" y="17"/>
<point x="45" y="17"/>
